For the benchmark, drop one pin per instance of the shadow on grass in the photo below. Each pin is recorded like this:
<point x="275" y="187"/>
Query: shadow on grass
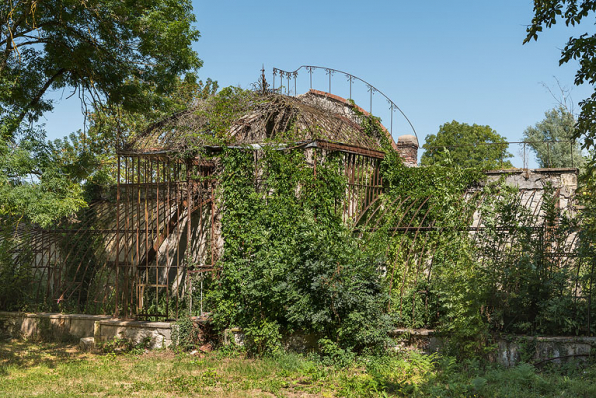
<point x="27" y="354"/>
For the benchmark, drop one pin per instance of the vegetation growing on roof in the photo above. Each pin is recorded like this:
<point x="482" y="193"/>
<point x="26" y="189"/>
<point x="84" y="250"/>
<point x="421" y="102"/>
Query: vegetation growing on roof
<point x="241" y="117"/>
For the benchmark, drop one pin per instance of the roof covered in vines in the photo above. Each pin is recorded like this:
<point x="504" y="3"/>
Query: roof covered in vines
<point x="237" y="117"/>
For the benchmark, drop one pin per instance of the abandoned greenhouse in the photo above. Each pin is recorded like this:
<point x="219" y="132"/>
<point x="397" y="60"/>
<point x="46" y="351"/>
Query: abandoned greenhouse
<point x="189" y="187"/>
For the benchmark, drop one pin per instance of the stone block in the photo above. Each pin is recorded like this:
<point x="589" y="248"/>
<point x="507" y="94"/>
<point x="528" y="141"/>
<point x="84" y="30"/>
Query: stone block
<point x="154" y="334"/>
<point x="87" y="343"/>
<point x="234" y="336"/>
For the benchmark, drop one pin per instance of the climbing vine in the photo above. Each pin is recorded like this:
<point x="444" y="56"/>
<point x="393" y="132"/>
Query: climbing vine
<point x="290" y="264"/>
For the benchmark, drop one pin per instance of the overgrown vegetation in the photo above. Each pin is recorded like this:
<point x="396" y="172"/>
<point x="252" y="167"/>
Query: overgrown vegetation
<point x="28" y="369"/>
<point x="552" y="140"/>
<point x="467" y="146"/>
<point x="290" y="263"/>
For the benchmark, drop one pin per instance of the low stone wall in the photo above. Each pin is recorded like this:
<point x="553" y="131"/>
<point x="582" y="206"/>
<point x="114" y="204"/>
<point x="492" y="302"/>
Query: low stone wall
<point x="48" y="326"/>
<point x="154" y="334"/>
<point x="511" y="350"/>
<point x="539" y="350"/>
<point x="93" y="329"/>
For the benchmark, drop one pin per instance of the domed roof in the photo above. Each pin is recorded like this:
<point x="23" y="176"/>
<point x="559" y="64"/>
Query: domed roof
<point x="259" y="119"/>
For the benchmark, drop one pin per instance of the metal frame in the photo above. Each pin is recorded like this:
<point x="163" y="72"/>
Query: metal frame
<point x="350" y="78"/>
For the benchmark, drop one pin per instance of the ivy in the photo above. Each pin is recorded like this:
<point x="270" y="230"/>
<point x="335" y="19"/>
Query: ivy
<point x="290" y="264"/>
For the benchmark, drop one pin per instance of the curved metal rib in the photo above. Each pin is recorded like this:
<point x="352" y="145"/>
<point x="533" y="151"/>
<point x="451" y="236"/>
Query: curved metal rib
<point x="351" y="78"/>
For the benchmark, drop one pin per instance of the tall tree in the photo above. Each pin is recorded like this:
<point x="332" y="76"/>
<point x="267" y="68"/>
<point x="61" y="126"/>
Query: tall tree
<point x="466" y="146"/>
<point x="580" y="49"/>
<point x="552" y="140"/>
<point x="116" y="55"/>
<point x="126" y="52"/>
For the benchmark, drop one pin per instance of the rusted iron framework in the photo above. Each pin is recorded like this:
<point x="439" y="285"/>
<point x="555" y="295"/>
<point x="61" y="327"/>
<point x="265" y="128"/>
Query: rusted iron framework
<point x="164" y="226"/>
<point x="139" y="250"/>
<point x="168" y="223"/>
<point x="351" y="79"/>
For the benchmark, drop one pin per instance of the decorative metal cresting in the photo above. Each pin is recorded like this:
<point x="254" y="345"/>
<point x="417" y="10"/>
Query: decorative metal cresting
<point x="288" y="76"/>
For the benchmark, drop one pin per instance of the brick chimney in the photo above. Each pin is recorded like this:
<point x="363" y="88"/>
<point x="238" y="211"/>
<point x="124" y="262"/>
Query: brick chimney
<point x="407" y="147"/>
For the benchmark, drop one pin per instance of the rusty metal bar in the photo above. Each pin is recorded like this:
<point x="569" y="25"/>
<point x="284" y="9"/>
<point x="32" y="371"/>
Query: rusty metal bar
<point x="116" y="310"/>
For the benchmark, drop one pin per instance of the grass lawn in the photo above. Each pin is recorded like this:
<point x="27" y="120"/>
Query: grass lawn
<point x="59" y="370"/>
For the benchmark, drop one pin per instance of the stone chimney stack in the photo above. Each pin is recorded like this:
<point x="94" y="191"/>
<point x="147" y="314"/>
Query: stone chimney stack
<point x="407" y="147"/>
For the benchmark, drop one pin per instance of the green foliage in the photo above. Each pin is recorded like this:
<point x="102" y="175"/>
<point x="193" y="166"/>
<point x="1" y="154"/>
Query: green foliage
<point x="587" y="198"/>
<point x="558" y="125"/>
<point x="185" y="334"/>
<point x="465" y="146"/>
<point x="225" y="108"/>
<point x="449" y="294"/>
<point x="125" y="60"/>
<point x="130" y="54"/>
<point x="120" y="345"/>
<point x="36" y="180"/>
<point x="53" y="369"/>
<point x="16" y="289"/>
<point x="112" y="125"/>
<point x="578" y="49"/>
<point x="289" y="261"/>
<point x="530" y="285"/>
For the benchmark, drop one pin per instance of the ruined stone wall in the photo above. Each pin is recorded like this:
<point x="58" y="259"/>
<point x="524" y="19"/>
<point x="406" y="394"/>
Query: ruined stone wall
<point x="532" y="184"/>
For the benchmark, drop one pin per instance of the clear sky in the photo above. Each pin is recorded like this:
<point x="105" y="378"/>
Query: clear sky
<point x="437" y="60"/>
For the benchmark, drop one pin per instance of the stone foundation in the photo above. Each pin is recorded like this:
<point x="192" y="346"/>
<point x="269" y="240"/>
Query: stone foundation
<point x="48" y="326"/>
<point x="83" y="328"/>
<point x="155" y="334"/>
<point x="511" y="350"/>
<point x="95" y="329"/>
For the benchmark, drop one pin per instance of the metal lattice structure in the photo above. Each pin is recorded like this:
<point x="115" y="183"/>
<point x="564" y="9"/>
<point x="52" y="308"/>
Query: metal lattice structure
<point x="137" y="251"/>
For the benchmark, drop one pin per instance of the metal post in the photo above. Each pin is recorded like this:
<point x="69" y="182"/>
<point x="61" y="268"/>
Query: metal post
<point x="117" y="237"/>
<point x="391" y="131"/>
<point x="524" y="156"/>
<point x="157" y="235"/>
<point x="590" y="298"/>
<point x="188" y="232"/>
<point x="288" y="77"/>
<point x="201" y="294"/>
<point x="350" y="79"/>
<point x="167" y="218"/>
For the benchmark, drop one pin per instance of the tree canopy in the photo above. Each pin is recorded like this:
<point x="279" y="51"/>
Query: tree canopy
<point x="466" y="145"/>
<point x="552" y="140"/>
<point x="129" y="53"/>
<point x="129" y="61"/>
<point x="579" y="49"/>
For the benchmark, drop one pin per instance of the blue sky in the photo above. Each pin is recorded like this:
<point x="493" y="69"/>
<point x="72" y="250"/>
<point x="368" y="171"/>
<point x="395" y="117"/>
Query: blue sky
<point x="437" y="60"/>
